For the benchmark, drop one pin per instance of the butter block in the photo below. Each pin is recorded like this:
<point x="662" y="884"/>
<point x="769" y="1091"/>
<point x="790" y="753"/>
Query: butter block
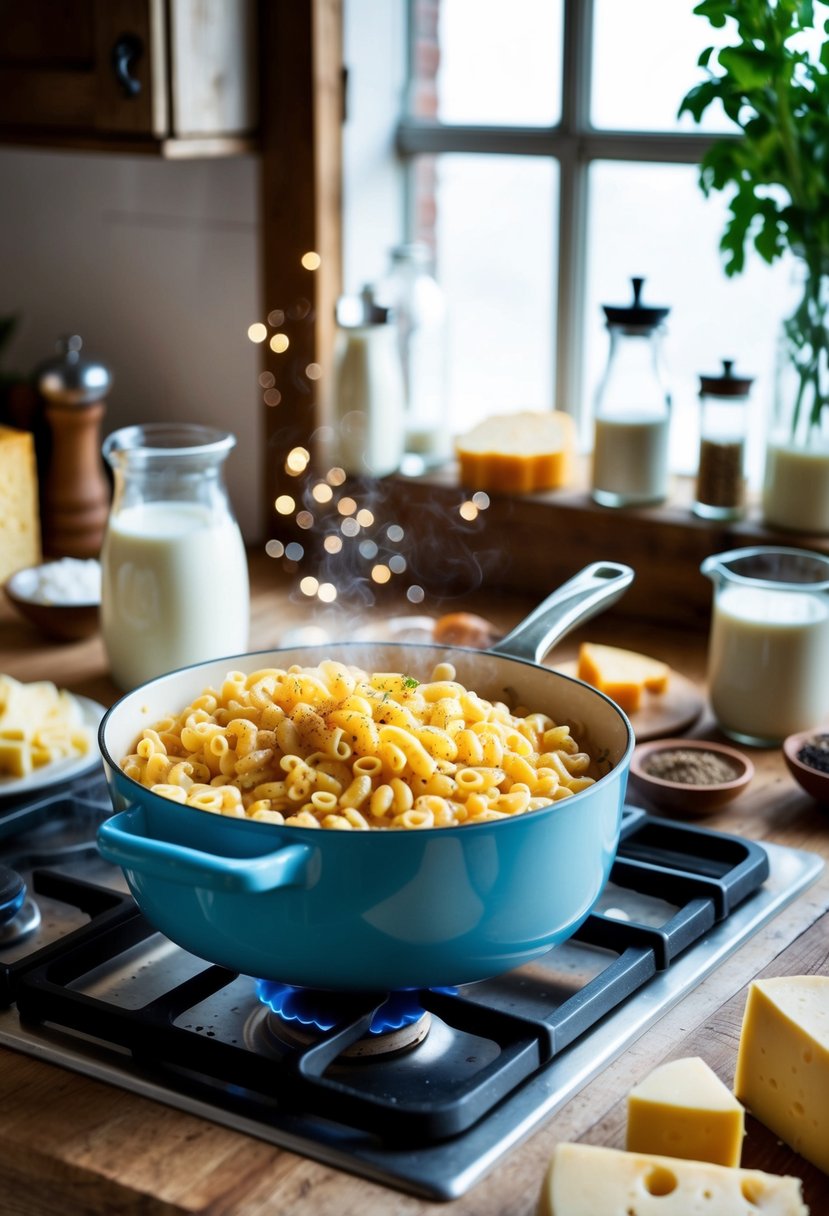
<point x="19" y="512"/>
<point x="623" y="675"/>
<point x="782" y="1073"/>
<point x="518" y="453"/>
<point x="585" y="1180"/>
<point x="683" y="1109"/>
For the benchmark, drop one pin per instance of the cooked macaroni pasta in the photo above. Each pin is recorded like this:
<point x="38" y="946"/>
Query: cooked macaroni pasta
<point x="336" y="747"/>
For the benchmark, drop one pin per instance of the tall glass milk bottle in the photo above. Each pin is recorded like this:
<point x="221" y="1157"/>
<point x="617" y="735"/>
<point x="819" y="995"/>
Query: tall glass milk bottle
<point x="175" y="585"/>
<point x="632" y="409"/>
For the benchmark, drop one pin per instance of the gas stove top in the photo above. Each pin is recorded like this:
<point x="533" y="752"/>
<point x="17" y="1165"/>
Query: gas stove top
<point x="421" y="1091"/>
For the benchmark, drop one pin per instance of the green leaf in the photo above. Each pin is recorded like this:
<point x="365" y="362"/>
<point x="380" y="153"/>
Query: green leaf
<point x="749" y="68"/>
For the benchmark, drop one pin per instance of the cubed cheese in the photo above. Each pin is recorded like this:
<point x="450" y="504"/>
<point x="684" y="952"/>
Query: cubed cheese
<point x="19" y="514"/>
<point x="584" y="1180"/>
<point x="518" y="453"/>
<point x="782" y="1071"/>
<point x="682" y="1109"/>
<point x="623" y="675"/>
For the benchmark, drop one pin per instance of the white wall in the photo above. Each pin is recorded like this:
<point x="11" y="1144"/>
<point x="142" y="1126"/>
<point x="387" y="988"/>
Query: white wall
<point x="155" y="265"/>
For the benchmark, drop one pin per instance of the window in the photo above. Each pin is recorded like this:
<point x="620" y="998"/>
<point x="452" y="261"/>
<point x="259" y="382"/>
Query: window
<point x="544" y="163"/>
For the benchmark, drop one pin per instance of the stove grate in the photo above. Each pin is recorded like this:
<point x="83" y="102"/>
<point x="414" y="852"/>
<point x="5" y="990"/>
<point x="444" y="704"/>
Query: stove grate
<point x="509" y="1036"/>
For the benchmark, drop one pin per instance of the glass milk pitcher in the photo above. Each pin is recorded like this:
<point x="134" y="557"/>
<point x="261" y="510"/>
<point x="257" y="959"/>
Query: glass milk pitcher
<point x="768" y="656"/>
<point x="174" y="571"/>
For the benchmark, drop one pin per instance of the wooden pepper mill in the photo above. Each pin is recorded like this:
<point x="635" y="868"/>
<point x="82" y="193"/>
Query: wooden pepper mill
<point x="76" y="493"/>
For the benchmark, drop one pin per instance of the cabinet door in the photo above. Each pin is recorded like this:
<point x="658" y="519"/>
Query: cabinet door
<point x="83" y="66"/>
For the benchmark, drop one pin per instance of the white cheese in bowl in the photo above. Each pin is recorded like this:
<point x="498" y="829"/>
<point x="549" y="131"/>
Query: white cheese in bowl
<point x="67" y="581"/>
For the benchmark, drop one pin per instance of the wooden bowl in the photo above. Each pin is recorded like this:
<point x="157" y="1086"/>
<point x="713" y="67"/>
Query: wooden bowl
<point x="812" y="780"/>
<point x="65" y="622"/>
<point x="689" y="799"/>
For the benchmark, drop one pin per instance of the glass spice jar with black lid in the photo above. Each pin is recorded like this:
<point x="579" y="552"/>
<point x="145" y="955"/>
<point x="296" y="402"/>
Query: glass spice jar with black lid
<point x="721" y="476"/>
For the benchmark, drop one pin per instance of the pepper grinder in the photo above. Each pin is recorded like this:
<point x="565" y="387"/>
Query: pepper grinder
<point x="76" y="492"/>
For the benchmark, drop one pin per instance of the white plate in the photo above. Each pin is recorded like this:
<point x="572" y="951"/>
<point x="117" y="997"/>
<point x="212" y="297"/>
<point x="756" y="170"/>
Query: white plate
<point x="60" y="771"/>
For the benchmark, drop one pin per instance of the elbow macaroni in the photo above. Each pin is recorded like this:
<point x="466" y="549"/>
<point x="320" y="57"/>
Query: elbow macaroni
<point x="337" y="748"/>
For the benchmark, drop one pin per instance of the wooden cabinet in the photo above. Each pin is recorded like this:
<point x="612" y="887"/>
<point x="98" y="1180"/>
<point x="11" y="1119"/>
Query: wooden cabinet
<point x="171" y="77"/>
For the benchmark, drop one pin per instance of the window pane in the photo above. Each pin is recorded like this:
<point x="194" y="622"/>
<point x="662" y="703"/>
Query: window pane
<point x="653" y="221"/>
<point x="644" y="62"/>
<point x="480" y="69"/>
<point x="495" y="222"/>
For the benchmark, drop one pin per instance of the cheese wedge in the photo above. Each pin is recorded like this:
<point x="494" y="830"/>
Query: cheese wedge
<point x="518" y="453"/>
<point x="584" y="1180"/>
<point x="682" y="1109"/>
<point x="623" y="675"/>
<point x="19" y="512"/>
<point x="782" y="1071"/>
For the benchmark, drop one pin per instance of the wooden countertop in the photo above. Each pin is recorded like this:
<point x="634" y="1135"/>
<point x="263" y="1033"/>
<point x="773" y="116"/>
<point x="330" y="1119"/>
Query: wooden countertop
<point x="83" y="1148"/>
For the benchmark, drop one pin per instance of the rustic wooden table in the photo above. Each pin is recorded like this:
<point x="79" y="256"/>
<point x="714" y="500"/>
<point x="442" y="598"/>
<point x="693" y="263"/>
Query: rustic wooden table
<point x="80" y="1147"/>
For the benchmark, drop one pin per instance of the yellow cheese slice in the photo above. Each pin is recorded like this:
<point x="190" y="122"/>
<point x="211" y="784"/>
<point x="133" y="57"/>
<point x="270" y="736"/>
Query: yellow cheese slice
<point x="518" y="453"/>
<point x="623" y="675"/>
<point x="585" y="1180"/>
<point x="682" y="1109"/>
<point x="19" y="513"/>
<point x="782" y="1071"/>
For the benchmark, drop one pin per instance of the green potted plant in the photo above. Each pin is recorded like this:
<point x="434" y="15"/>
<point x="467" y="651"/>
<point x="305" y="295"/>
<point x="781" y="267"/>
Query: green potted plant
<point x="773" y="84"/>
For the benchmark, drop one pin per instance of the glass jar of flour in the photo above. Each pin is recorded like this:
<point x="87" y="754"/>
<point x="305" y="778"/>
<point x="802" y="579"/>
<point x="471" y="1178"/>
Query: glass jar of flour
<point x="632" y="409"/>
<point x="174" y="571"/>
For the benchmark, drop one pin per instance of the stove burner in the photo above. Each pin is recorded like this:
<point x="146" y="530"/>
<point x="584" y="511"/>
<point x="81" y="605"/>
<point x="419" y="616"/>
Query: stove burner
<point x="299" y="1016"/>
<point x="19" y="915"/>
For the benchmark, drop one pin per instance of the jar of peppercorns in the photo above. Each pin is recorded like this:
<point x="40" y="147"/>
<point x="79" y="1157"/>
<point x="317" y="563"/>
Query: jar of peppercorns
<point x="721" y="479"/>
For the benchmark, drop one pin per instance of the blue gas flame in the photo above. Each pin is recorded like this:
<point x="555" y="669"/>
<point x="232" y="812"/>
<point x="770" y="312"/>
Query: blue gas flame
<point x="324" y="1010"/>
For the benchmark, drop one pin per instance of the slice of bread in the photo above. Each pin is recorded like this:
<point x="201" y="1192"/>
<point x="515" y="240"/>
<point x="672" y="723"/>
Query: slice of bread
<point x="518" y="453"/>
<point x="623" y="675"/>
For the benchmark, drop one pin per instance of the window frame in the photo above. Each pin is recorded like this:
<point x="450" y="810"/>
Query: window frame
<point x="575" y="143"/>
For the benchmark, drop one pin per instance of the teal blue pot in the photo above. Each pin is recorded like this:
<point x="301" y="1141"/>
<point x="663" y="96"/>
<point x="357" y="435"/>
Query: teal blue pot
<point x="377" y="909"/>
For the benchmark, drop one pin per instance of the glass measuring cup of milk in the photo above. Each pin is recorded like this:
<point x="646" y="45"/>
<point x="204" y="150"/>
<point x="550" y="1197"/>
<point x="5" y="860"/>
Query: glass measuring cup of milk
<point x="768" y="653"/>
<point x="175" y="585"/>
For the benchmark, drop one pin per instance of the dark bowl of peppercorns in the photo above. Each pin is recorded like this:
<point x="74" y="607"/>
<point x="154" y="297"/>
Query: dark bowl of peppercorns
<point x="807" y="757"/>
<point x="688" y="777"/>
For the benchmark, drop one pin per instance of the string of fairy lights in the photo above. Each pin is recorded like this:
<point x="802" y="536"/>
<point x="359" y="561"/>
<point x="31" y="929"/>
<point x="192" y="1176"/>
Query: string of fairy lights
<point x="363" y="549"/>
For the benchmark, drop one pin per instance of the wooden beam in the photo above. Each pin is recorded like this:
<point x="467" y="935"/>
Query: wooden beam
<point x="301" y="75"/>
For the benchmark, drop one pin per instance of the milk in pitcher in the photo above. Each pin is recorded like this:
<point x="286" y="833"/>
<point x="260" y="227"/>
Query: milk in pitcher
<point x="768" y="668"/>
<point x="175" y="589"/>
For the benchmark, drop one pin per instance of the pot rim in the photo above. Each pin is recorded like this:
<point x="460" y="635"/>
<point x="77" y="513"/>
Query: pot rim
<point x="622" y="764"/>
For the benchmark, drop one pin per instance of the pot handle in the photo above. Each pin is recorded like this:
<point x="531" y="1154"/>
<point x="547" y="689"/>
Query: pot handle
<point x="594" y="588"/>
<point x="122" y="841"/>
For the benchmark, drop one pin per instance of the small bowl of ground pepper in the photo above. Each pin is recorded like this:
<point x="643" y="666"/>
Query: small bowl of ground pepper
<point x="807" y="757"/>
<point x="689" y="777"/>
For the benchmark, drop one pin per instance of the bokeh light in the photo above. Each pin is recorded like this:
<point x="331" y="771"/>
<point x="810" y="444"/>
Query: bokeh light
<point x="308" y="585"/>
<point x="415" y="594"/>
<point x="305" y="520"/>
<point x="275" y="548"/>
<point x="380" y="573"/>
<point x="257" y="332"/>
<point x="285" y="505"/>
<point x="311" y="260"/>
<point x="332" y="544"/>
<point x="279" y="343"/>
<point x="327" y="593"/>
<point x="322" y="492"/>
<point x="297" y="460"/>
